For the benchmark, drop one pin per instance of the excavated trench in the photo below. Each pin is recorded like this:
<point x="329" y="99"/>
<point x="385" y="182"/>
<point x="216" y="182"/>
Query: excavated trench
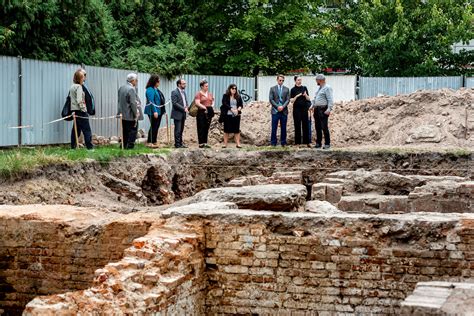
<point x="189" y="233"/>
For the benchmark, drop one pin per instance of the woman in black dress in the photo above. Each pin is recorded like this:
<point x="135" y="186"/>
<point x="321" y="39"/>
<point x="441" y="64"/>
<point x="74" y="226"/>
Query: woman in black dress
<point x="231" y="108"/>
<point x="301" y="102"/>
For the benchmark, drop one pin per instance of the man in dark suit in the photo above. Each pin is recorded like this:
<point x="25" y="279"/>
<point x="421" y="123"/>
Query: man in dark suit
<point x="179" y="109"/>
<point x="279" y="99"/>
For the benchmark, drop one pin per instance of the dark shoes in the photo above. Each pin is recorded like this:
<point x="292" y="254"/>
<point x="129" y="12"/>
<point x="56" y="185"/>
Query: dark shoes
<point x="323" y="147"/>
<point x="181" y="146"/>
<point x="204" y="146"/>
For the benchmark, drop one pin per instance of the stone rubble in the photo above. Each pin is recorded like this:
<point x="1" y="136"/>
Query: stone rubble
<point x="375" y="192"/>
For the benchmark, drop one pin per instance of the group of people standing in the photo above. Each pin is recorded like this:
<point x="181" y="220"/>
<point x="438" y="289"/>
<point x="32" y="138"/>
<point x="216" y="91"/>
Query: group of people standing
<point x="320" y="107"/>
<point x="130" y="110"/>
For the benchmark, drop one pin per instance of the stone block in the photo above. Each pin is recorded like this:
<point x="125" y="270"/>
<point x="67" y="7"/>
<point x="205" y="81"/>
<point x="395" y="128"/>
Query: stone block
<point x="273" y="197"/>
<point x="318" y="192"/>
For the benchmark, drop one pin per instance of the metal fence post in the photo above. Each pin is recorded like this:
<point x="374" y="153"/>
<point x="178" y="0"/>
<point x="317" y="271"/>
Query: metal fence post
<point x="255" y="84"/>
<point x="357" y="88"/>
<point x="20" y="75"/>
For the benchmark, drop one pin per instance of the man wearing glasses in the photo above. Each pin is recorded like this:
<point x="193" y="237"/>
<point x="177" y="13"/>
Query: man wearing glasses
<point x="279" y="99"/>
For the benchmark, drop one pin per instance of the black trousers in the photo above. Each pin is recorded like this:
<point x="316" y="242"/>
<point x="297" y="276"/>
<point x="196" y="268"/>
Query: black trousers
<point x="83" y="126"/>
<point x="129" y="133"/>
<point x="300" y="118"/>
<point x="154" y="127"/>
<point x="203" y="122"/>
<point x="321" y="122"/>
<point x="178" y="132"/>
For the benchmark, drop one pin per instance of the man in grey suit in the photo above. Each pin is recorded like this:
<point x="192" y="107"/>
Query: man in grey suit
<point x="178" y="112"/>
<point x="279" y="99"/>
<point x="129" y="107"/>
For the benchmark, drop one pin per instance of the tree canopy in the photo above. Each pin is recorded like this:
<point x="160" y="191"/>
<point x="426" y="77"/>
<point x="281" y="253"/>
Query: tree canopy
<point x="244" y="37"/>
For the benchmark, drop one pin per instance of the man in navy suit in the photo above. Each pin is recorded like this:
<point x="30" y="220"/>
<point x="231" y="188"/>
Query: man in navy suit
<point x="279" y="99"/>
<point x="178" y="112"/>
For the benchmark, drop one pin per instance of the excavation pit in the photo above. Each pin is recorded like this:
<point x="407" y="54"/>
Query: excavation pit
<point x="321" y="253"/>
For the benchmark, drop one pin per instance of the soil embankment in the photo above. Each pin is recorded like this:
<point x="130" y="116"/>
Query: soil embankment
<point x="430" y="119"/>
<point x="129" y="184"/>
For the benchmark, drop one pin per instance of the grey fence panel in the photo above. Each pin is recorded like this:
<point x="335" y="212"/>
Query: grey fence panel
<point x="9" y="95"/>
<point x="343" y="86"/>
<point x="470" y="82"/>
<point x="104" y="84"/>
<point x="219" y="84"/>
<point x="45" y="86"/>
<point x="374" y="86"/>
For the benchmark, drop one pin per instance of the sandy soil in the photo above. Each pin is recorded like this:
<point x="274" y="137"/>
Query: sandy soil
<point x="428" y="119"/>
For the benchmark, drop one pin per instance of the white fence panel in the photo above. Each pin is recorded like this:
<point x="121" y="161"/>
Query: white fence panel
<point x="9" y="95"/>
<point x="375" y="86"/>
<point x="470" y="82"/>
<point x="343" y="86"/>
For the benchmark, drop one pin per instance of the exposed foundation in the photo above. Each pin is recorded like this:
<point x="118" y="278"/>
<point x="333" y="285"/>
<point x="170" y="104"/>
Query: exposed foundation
<point x="353" y="242"/>
<point x="54" y="249"/>
<point x="248" y="262"/>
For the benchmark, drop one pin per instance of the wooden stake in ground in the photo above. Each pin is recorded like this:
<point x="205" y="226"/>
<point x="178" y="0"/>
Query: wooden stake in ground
<point x="121" y="130"/>
<point x="168" y="129"/>
<point x="75" y="129"/>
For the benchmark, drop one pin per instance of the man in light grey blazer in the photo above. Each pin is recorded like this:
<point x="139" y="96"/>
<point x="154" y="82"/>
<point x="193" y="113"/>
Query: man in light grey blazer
<point x="129" y="107"/>
<point x="179" y="109"/>
<point x="279" y="99"/>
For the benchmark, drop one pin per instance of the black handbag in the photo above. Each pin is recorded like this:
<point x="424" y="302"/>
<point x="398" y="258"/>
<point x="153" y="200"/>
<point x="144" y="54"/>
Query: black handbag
<point x="221" y="117"/>
<point x="66" y="112"/>
<point x="89" y="101"/>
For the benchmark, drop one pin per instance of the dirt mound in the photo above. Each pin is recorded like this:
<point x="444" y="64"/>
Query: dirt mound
<point x="431" y="117"/>
<point x="444" y="117"/>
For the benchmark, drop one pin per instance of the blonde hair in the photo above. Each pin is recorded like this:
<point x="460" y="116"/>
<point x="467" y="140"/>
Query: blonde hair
<point x="78" y="76"/>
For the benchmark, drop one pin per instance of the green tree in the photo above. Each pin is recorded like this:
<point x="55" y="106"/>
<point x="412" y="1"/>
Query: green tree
<point x="67" y="31"/>
<point x="397" y="37"/>
<point x="168" y="57"/>
<point x="247" y="37"/>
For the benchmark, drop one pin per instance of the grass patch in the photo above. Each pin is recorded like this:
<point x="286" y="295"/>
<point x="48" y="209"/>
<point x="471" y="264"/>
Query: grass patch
<point x="18" y="160"/>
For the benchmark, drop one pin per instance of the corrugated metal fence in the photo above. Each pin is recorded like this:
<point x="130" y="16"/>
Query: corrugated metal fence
<point x="9" y="94"/>
<point x="219" y="84"/>
<point x="43" y="87"/>
<point x="375" y="86"/>
<point x="343" y="86"/>
<point x="470" y="82"/>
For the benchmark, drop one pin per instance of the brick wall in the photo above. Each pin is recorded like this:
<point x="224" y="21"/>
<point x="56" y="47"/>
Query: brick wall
<point x="357" y="264"/>
<point x="39" y="257"/>
<point x="162" y="273"/>
<point x="256" y="262"/>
